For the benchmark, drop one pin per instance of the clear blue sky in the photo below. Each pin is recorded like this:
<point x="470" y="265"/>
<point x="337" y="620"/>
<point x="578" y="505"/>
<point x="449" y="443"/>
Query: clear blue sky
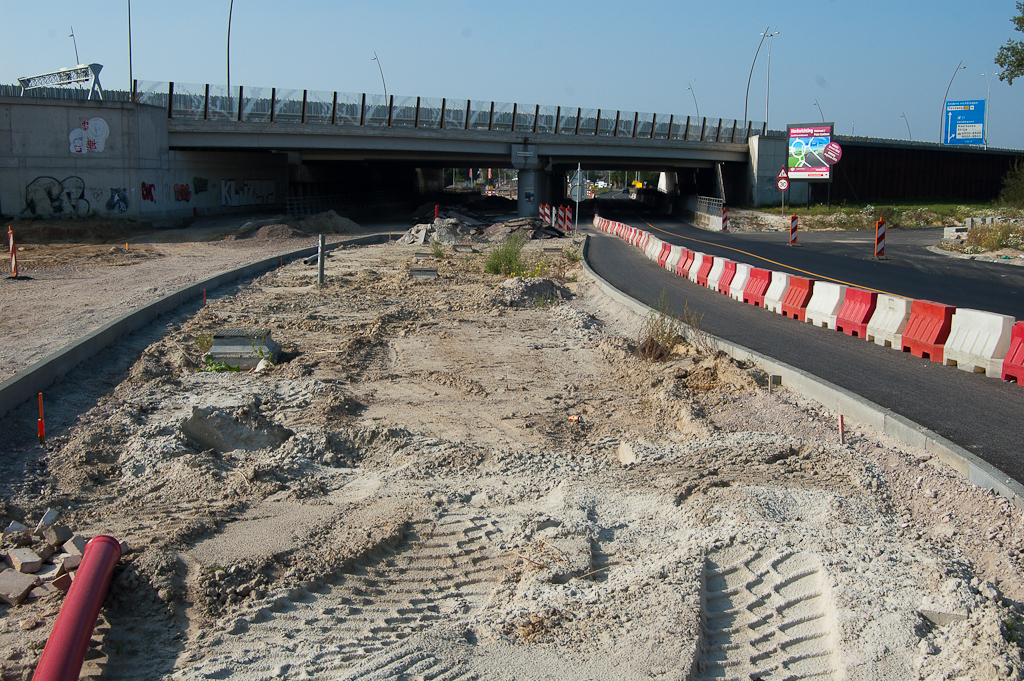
<point x="866" y="62"/>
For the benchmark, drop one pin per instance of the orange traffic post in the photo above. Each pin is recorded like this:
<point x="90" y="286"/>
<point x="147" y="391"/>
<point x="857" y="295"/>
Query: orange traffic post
<point x="204" y="297"/>
<point x="842" y="431"/>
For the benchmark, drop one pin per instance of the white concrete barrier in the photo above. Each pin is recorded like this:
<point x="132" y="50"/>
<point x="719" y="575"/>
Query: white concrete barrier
<point x="717" y="269"/>
<point x="890" y="318"/>
<point x="978" y="341"/>
<point x="776" y="292"/>
<point x="739" y="281"/>
<point x="698" y="260"/>
<point x="653" y="248"/>
<point x="826" y="301"/>
<point x="674" y="257"/>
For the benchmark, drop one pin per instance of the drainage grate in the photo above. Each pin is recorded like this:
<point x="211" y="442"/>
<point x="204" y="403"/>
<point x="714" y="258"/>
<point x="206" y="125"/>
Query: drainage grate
<point x="423" y="272"/>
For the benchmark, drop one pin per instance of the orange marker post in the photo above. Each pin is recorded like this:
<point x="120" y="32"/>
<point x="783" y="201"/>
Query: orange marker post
<point x="204" y="297"/>
<point x="42" y="424"/>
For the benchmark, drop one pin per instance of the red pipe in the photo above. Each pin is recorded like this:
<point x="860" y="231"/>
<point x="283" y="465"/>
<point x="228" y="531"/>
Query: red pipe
<point x="68" y="642"/>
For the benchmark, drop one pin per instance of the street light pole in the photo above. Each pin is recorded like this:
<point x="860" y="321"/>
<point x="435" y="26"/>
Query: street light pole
<point x="690" y="88"/>
<point x="768" y="90"/>
<point x="942" y="119"/>
<point x="231" y="9"/>
<point x="819" y="110"/>
<point x="747" y="98"/>
<point x="907" y="121"/>
<point x="381" y="77"/>
<point x="988" y="94"/>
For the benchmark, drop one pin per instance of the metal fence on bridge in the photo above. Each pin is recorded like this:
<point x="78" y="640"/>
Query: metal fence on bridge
<point x="187" y="101"/>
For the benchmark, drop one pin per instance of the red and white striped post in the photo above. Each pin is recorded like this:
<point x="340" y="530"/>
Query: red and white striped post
<point x="14" y="252"/>
<point x="568" y="218"/>
<point x="545" y="214"/>
<point x="793" y="227"/>
<point x="880" y="238"/>
<point x="725" y="218"/>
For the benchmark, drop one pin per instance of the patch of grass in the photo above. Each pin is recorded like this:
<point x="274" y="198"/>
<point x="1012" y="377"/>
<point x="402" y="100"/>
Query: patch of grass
<point x="994" y="237"/>
<point x="660" y="331"/>
<point x="906" y="214"/>
<point x="507" y="258"/>
<point x="203" y="342"/>
<point x="212" y="365"/>
<point x="544" y="300"/>
<point x="436" y="249"/>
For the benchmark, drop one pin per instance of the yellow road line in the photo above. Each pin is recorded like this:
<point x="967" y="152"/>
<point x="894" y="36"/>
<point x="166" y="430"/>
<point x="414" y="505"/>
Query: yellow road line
<point x="788" y="267"/>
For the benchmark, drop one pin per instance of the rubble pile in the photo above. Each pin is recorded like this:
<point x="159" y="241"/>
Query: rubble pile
<point x="42" y="561"/>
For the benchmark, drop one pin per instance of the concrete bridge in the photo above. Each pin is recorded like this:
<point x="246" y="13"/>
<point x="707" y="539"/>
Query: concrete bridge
<point x="171" y="149"/>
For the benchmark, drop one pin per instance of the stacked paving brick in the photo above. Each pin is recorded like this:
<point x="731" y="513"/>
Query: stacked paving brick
<point x="40" y="562"/>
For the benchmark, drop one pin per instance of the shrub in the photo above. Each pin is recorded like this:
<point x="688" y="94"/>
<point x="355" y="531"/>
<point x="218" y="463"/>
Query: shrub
<point x="660" y="331"/>
<point x="508" y="257"/>
<point x="1013" y="186"/>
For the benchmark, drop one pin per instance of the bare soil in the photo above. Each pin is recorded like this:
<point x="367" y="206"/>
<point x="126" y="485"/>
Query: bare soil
<point x="473" y="477"/>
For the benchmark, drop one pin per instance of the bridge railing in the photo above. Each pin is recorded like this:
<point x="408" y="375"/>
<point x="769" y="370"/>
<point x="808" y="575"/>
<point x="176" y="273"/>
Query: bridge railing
<point x="189" y="101"/>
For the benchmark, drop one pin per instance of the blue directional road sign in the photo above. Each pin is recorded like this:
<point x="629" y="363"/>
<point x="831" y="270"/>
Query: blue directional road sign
<point x="965" y="122"/>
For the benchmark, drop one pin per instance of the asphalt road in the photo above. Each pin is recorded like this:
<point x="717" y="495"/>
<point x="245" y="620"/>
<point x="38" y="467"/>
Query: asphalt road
<point x="983" y="415"/>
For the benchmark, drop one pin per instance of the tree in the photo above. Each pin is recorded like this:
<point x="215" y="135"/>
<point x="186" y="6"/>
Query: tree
<point x="1011" y="55"/>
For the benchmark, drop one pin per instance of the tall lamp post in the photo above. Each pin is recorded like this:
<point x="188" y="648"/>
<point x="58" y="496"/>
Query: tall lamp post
<point x="690" y="88"/>
<point x="942" y="119"/>
<point x="907" y="121"/>
<point x="231" y="9"/>
<point x="768" y="90"/>
<point x="381" y="77"/>
<point x="819" y="110"/>
<point x="988" y="93"/>
<point x="747" y="98"/>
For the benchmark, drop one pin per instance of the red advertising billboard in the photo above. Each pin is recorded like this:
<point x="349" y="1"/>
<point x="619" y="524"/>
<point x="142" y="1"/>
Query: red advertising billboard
<point x="807" y="158"/>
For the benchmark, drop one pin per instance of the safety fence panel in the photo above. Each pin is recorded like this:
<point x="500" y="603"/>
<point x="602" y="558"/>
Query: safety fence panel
<point x="189" y="101"/>
<point x="546" y="120"/>
<point x="350" y="109"/>
<point x="256" y="102"/>
<point x="376" y="113"/>
<point x="429" y="114"/>
<point x="319" y="106"/>
<point x="288" y="106"/>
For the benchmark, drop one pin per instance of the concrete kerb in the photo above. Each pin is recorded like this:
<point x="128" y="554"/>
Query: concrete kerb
<point x="28" y="383"/>
<point x="851" y="405"/>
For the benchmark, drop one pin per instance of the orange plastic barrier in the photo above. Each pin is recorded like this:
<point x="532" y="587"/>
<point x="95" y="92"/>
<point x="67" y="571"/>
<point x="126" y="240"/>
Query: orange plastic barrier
<point x="727" y="274"/>
<point x="927" y="329"/>
<point x="666" y="249"/>
<point x="1013" y="365"/>
<point x="797" y="296"/>
<point x="683" y="268"/>
<point x="757" y="286"/>
<point x="854" y="315"/>
<point x="705" y="270"/>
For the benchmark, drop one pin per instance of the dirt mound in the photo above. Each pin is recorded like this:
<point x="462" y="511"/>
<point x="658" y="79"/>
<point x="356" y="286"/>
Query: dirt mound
<point x="327" y="223"/>
<point x="274" y="233"/>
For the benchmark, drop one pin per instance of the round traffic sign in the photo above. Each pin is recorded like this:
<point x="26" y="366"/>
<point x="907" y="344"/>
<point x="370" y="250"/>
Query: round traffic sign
<point x="832" y="153"/>
<point x="577" y="192"/>
<point x="782" y="184"/>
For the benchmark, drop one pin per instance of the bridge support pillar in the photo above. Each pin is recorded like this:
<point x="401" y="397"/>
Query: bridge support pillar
<point x="534" y="185"/>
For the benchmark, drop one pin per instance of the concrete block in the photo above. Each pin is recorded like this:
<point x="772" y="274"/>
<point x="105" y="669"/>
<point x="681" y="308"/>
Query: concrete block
<point x="44" y="590"/>
<point x="76" y="545"/>
<point x="56" y="535"/>
<point x="14" y="586"/>
<point x="25" y="560"/>
<point x="48" y="519"/>
<point x="63" y="582"/>
<point x="43" y="550"/>
<point x="49" y="572"/>
<point x="70" y="562"/>
<point x="15" y="528"/>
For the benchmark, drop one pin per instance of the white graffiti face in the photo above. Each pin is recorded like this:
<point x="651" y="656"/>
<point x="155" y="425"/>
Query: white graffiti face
<point x="92" y="136"/>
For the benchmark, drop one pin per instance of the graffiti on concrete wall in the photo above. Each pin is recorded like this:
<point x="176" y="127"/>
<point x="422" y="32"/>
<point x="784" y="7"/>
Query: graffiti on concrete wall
<point x="118" y="201"/>
<point x="92" y="136"/>
<point x="147" y="192"/>
<point x="200" y="184"/>
<point x="247" y="193"/>
<point x="47" y="197"/>
<point x="182" y="192"/>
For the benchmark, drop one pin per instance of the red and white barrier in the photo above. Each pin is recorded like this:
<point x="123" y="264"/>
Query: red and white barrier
<point x="797" y="296"/>
<point x="739" y="281"/>
<point x="880" y="238"/>
<point x="545" y="214"/>
<point x="14" y="252"/>
<point x="889" y="321"/>
<point x="825" y="303"/>
<point x="978" y="341"/>
<point x="854" y="315"/>
<point x="776" y="292"/>
<point x="695" y="268"/>
<point x="757" y="287"/>
<point x="1013" y="365"/>
<point x="725" y="281"/>
<point x="653" y="248"/>
<point x="715" y="275"/>
<point x="794" y="224"/>
<point x="725" y="218"/>
<point x="674" y="256"/>
<point x="927" y="330"/>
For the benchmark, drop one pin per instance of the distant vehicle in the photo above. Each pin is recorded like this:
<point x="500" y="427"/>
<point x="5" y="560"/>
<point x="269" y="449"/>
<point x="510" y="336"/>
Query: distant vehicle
<point x="602" y="184"/>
